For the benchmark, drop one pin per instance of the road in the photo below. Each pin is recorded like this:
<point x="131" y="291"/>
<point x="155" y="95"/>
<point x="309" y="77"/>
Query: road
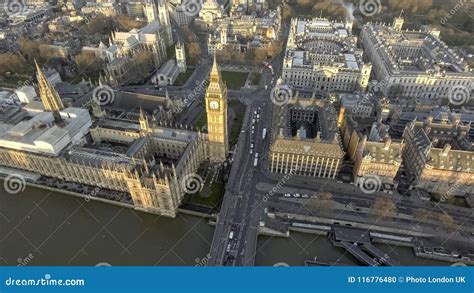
<point x="242" y="205"/>
<point x="235" y="238"/>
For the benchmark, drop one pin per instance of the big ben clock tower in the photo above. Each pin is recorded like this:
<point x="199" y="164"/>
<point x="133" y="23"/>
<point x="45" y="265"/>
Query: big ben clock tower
<point x="216" y="109"/>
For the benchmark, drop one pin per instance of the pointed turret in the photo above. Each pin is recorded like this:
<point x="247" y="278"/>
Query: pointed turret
<point x="215" y="68"/>
<point x="168" y="102"/>
<point x="144" y="126"/>
<point x="48" y="95"/>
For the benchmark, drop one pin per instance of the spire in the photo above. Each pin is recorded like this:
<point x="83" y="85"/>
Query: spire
<point x="215" y="69"/>
<point x="143" y="121"/>
<point x="48" y="95"/>
<point x="168" y="102"/>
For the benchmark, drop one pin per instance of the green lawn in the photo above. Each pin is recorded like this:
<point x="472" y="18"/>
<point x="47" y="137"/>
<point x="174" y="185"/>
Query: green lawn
<point x="234" y="80"/>
<point x="183" y="77"/>
<point x="211" y="195"/>
<point x="13" y="81"/>
<point x="256" y="78"/>
<point x="171" y="52"/>
<point x="202" y="122"/>
<point x="239" y="110"/>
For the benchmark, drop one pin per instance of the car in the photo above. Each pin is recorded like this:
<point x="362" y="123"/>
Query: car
<point x="304" y="195"/>
<point x="287" y="195"/>
<point x="296" y="195"/>
<point x="251" y="151"/>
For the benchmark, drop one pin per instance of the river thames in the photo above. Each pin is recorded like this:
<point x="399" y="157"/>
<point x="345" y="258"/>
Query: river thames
<point x="39" y="227"/>
<point x="50" y="228"/>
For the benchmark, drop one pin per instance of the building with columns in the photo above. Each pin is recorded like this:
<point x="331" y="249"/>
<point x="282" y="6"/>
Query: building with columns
<point x="245" y="32"/>
<point x="322" y="56"/>
<point x="216" y="109"/>
<point x="305" y="139"/>
<point x="414" y="64"/>
<point x="210" y="12"/>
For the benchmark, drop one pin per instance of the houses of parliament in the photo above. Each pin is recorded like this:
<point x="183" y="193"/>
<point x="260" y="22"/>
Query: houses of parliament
<point x="145" y="161"/>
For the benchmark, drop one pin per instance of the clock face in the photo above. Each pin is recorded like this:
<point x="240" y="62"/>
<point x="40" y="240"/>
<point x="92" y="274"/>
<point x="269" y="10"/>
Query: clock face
<point x="214" y="105"/>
